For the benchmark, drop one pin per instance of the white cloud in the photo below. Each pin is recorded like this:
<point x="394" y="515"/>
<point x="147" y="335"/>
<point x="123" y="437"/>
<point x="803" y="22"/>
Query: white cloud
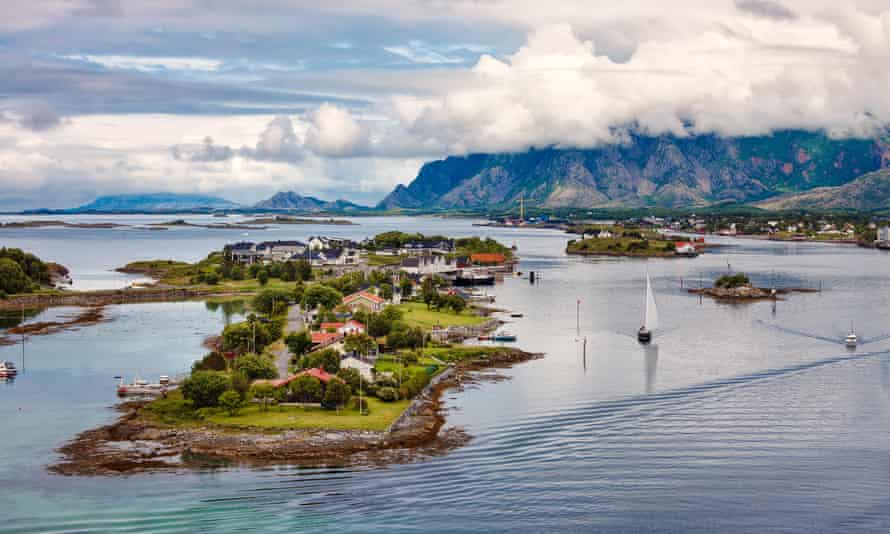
<point x="149" y="64"/>
<point x="422" y="53"/>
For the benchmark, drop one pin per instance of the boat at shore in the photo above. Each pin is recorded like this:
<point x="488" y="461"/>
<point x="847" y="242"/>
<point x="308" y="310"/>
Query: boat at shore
<point x="8" y="370"/>
<point x="141" y="387"/>
<point x="474" y="279"/>
<point x="650" y="317"/>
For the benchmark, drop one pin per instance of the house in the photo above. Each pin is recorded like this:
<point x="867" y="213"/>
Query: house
<point x="347" y="329"/>
<point x="418" y="248"/>
<point x="429" y="264"/>
<point x="884" y="234"/>
<point x="320" y="374"/>
<point x="365" y="369"/>
<point x="364" y="300"/>
<point x="605" y="234"/>
<point x="329" y="256"/>
<point x="325" y="243"/>
<point x="243" y="252"/>
<point x="325" y="339"/>
<point x="487" y="258"/>
<point x="279" y="251"/>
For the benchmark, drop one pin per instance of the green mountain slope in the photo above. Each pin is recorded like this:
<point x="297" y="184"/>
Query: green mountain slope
<point x="645" y="171"/>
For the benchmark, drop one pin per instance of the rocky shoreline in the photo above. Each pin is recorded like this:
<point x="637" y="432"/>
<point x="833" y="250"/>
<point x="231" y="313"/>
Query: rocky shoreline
<point x="108" y="297"/>
<point x="748" y="293"/>
<point x="136" y="443"/>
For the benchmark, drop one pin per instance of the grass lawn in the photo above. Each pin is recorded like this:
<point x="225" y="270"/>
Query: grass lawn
<point x="416" y="314"/>
<point x="376" y="260"/>
<point x="621" y="245"/>
<point x="381" y="415"/>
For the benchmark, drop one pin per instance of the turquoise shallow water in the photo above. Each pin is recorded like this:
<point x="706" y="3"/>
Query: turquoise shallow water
<point x="728" y="423"/>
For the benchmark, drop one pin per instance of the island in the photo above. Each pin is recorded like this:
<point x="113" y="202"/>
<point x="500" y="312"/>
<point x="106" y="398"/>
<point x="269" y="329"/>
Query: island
<point x="738" y="288"/>
<point x="634" y="242"/>
<point x="336" y="361"/>
<point x="285" y="219"/>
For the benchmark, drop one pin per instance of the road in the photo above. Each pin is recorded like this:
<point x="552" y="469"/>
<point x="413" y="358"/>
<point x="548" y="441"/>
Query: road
<point x="294" y="324"/>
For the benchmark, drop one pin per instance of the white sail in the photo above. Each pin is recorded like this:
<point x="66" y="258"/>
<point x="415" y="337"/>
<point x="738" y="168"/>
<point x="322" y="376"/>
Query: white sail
<point x="651" y="319"/>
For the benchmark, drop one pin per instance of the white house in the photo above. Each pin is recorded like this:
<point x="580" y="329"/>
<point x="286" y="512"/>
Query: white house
<point x="884" y="234"/>
<point x="432" y="264"/>
<point x="364" y="368"/>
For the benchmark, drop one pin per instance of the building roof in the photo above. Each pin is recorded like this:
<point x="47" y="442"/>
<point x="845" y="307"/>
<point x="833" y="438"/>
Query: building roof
<point x="315" y="372"/>
<point x="324" y="338"/>
<point x="363" y="295"/>
<point x="487" y="257"/>
<point x="327" y="326"/>
<point x="355" y="324"/>
<point x="241" y="245"/>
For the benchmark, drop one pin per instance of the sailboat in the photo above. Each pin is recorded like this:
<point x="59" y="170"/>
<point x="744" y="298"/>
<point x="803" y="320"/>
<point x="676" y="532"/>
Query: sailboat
<point x="650" y="319"/>
<point x="851" y="340"/>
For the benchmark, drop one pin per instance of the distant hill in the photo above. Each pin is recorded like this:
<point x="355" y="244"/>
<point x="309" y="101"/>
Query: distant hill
<point x="645" y="171"/>
<point x="289" y="200"/>
<point x="867" y="193"/>
<point x="154" y="202"/>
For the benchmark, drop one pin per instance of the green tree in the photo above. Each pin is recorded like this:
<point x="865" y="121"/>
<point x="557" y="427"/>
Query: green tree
<point x="352" y="378"/>
<point x="271" y="301"/>
<point x="262" y="277"/>
<point x="212" y="361"/>
<point x="336" y="394"/>
<point x="203" y="388"/>
<point x="392" y="313"/>
<point x="406" y="287"/>
<point x="231" y="401"/>
<point x="386" y="291"/>
<point x="327" y="359"/>
<point x="13" y="278"/>
<point x="402" y="336"/>
<point x="304" y="270"/>
<point x="289" y="271"/>
<point x="359" y="343"/>
<point x="256" y="366"/>
<point x="378" y="325"/>
<point x="320" y="295"/>
<point x="306" y="389"/>
<point x="265" y="393"/>
<point x="298" y="342"/>
<point x="428" y="292"/>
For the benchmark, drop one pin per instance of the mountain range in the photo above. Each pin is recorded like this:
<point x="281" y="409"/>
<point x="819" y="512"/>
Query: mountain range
<point x="155" y="202"/>
<point x="290" y="200"/>
<point x="645" y="171"/>
<point x="869" y="192"/>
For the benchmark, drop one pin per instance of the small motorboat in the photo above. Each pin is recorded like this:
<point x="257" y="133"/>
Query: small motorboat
<point x="484" y="338"/>
<point x="516" y="315"/>
<point x="503" y="336"/>
<point x="7" y="370"/>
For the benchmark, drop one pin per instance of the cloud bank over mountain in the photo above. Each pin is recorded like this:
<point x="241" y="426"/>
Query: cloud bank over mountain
<point x="349" y="99"/>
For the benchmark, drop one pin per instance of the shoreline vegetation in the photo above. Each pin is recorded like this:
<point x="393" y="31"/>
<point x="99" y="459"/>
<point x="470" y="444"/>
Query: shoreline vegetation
<point x="139" y="442"/>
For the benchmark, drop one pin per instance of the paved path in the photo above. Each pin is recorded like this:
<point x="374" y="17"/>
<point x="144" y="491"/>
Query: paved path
<point x="294" y="324"/>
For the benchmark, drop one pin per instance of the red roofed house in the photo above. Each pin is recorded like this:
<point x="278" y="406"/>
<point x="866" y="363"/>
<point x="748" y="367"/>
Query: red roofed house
<point x="320" y="374"/>
<point x="326" y="338"/>
<point x="487" y="258"/>
<point x="348" y="328"/>
<point x="364" y="299"/>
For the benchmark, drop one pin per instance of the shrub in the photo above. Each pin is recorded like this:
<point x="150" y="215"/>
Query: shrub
<point x="230" y="401"/>
<point x="306" y="389"/>
<point x="361" y="404"/>
<point x="211" y="278"/>
<point x="730" y="281"/>
<point x="336" y="394"/>
<point x="212" y="361"/>
<point x="255" y="366"/>
<point x="388" y="394"/>
<point x="262" y="276"/>
<point x="203" y="388"/>
<point x="172" y="410"/>
<point x="240" y="383"/>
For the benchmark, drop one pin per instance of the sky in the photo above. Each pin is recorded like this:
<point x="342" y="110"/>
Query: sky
<point x="349" y="99"/>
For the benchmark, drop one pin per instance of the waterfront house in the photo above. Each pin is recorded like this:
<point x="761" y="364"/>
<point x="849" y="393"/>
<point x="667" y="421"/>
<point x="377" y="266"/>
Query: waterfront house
<point x="429" y="264"/>
<point x="279" y="251"/>
<point x="420" y="248"/>
<point x="364" y="300"/>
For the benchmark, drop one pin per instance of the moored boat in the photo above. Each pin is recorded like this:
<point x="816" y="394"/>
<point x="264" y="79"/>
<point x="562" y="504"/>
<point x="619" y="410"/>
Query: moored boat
<point x="7" y="370"/>
<point x="141" y="387"/>
<point x="474" y="279"/>
<point x="851" y="340"/>
<point x="503" y="336"/>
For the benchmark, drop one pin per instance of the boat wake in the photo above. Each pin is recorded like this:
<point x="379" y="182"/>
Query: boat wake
<point x="835" y="340"/>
